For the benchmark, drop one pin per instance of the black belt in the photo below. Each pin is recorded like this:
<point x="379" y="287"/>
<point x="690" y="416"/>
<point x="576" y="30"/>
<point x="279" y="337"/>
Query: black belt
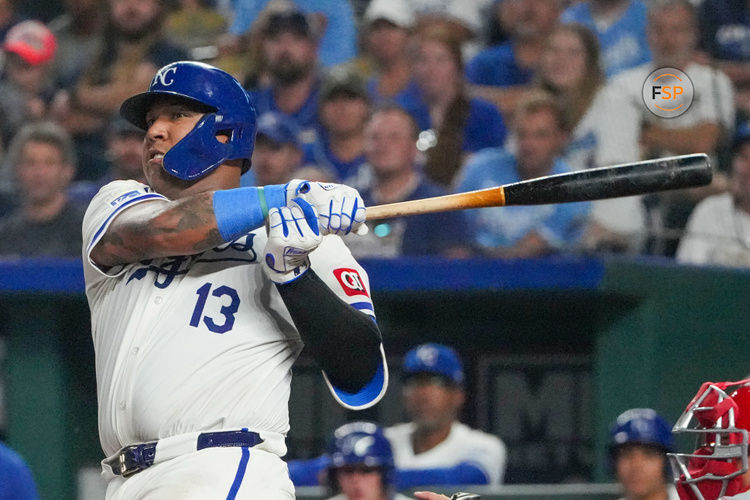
<point x="135" y="458"/>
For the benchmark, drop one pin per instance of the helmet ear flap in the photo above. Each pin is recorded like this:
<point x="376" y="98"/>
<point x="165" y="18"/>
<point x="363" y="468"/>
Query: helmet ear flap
<point x="198" y="153"/>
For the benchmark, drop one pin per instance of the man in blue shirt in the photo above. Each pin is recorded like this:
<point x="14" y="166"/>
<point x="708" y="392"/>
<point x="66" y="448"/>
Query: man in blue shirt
<point x="524" y="231"/>
<point x="290" y="48"/>
<point x="16" y="482"/>
<point x="620" y="26"/>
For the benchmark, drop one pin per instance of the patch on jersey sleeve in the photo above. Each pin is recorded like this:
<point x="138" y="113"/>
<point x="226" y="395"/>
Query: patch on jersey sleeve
<point x="125" y="197"/>
<point x="351" y="282"/>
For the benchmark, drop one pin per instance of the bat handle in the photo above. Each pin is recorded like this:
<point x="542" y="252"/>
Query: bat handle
<point x="491" y="197"/>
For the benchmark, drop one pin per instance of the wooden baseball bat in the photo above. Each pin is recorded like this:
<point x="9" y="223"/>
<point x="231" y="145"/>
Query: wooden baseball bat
<point x="674" y="172"/>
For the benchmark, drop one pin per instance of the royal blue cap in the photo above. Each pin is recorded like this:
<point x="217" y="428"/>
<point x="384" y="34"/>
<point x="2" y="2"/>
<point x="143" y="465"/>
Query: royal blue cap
<point x="434" y="358"/>
<point x="279" y="128"/>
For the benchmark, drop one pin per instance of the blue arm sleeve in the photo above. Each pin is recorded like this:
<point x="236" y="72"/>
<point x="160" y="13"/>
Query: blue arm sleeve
<point x="241" y="210"/>
<point x="463" y="473"/>
<point x="307" y="472"/>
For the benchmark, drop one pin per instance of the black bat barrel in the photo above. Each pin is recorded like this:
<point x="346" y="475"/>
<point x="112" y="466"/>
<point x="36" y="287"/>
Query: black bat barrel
<point x="677" y="172"/>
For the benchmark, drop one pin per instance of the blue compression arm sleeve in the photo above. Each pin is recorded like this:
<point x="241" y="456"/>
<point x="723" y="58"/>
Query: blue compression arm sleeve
<point x="241" y="210"/>
<point x="463" y="473"/>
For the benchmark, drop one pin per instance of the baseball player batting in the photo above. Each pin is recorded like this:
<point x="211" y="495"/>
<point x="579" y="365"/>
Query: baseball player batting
<point x="198" y="311"/>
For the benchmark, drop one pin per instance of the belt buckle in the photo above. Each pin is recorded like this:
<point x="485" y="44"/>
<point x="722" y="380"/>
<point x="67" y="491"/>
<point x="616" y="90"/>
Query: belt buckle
<point x="128" y="469"/>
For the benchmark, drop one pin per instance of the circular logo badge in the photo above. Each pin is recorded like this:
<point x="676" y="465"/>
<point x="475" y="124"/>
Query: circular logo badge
<point x="668" y="92"/>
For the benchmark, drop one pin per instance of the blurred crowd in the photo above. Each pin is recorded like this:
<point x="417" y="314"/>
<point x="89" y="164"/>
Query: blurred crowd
<point x="402" y="99"/>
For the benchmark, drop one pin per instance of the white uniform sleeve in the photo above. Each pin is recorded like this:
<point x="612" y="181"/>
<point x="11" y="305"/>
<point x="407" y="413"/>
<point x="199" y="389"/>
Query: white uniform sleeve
<point x="491" y="458"/>
<point x="111" y="199"/>
<point x="333" y="263"/>
<point x="696" y="244"/>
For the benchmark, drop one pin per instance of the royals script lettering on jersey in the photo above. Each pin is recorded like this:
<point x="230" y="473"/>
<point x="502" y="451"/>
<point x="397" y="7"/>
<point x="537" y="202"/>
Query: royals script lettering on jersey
<point x="197" y="342"/>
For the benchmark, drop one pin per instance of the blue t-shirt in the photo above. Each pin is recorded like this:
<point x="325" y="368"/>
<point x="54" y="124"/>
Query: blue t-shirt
<point x="725" y="29"/>
<point x="484" y="127"/>
<point x="623" y="43"/>
<point x="497" y="66"/>
<point x="339" y="42"/>
<point x="406" y="95"/>
<point x="16" y="482"/>
<point x="561" y="225"/>
<point x="425" y="234"/>
<point x="319" y="153"/>
<point x="306" y="117"/>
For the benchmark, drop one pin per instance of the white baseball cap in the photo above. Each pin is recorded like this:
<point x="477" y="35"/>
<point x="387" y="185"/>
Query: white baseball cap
<point x="395" y="11"/>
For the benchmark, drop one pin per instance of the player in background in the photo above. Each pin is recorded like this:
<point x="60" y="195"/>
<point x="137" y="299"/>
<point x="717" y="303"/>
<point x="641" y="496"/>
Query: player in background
<point x="435" y="448"/>
<point x="361" y="464"/>
<point x="718" y="417"/>
<point x="638" y="446"/>
<point x="198" y="312"/>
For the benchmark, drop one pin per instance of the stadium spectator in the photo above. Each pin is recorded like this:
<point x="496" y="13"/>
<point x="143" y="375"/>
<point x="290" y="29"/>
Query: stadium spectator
<point x="131" y="50"/>
<point x="638" y="444"/>
<point x="194" y="24"/>
<point x="525" y="231"/>
<point x="45" y="223"/>
<point x="289" y="47"/>
<point x="16" y="481"/>
<point x="361" y="464"/>
<point x="392" y="175"/>
<point x="385" y="34"/>
<point x="725" y="37"/>
<point x="434" y="448"/>
<point x="453" y="125"/>
<point x="338" y="41"/>
<point x="620" y="26"/>
<point x="344" y="109"/>
<point x="570" y="71"/>
<point x="718" y="231"/>
<point x="672" y="35"/>
<point x="503" y="73"/>
<point x="277" y="152"/>
<point x="123" y="157"/>
<point x="26" y="88"/>
<point x="79" y="35"/>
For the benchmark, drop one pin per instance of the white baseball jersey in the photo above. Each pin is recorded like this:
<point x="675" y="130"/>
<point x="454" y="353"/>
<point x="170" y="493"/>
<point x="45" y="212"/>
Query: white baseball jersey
<point x="200" y="342"/>
<point x="463" y="444"/>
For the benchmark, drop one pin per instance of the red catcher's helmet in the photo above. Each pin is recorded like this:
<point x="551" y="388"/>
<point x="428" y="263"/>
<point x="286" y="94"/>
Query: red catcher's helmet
<point x="719" y="417"/>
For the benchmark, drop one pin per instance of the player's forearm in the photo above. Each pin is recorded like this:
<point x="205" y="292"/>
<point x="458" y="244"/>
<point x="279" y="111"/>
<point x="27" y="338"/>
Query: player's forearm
<point x="344" y="342"/>
<point x="153" y="230"/>
<point x="186" y="226"/>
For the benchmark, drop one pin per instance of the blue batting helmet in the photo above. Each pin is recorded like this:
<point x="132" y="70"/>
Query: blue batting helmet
<point x="434" y="358"/>
<point x="641" y="426"/>
<point x="360" y="443"/>
<point x="230" y="110"/>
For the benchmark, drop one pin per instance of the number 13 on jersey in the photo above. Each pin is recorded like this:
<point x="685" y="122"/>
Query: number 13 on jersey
<point x="227" y="311"/>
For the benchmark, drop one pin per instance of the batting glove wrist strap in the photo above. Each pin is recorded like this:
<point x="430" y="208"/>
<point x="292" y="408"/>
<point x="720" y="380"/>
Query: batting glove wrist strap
<point x="292" y="234"/>
<point x="340" y="208"/>
<point x="241" y="210"/>
<point x="465" y="496"/>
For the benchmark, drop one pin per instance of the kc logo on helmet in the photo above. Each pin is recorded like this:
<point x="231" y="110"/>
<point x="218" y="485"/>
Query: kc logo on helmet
<point x="350" y="281"/>
<point x="166" y="76"/>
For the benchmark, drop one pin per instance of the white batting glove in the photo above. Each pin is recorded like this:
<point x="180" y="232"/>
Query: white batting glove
<point x="292" y="234"/>
<point x="340" y="208"/>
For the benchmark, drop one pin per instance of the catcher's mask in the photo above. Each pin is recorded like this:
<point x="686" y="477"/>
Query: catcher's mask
<point x="230" y="112"/>
<point x="718" y="416"/>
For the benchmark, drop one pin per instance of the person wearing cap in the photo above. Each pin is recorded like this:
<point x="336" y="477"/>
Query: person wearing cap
<point x="434" y="447"/>
<point x="338" y="42"/>
<point x="26" y="88"/>
<point x="290" y="53"/>
<point x="387" y="27"/>
<point x="344" y="109"/>
<point x="277" y="151"/>
<point x="639" y="441"/>
<point x="16" y="479"/>
<point x="360" y="464"/>
<point x="718" y="230"/>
